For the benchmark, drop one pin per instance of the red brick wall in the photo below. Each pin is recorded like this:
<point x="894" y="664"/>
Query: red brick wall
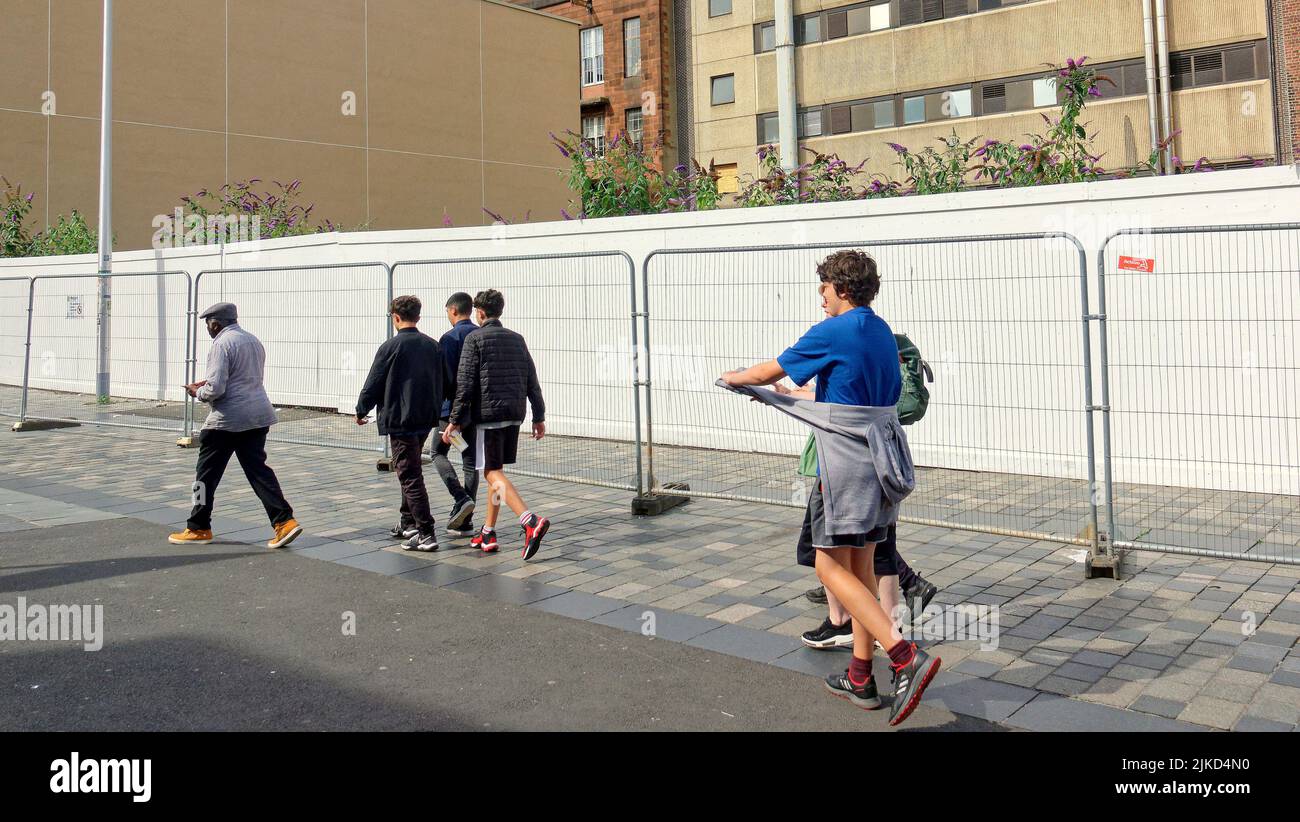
<point x="649" y="92"/>
<point x="1287" y="50"/>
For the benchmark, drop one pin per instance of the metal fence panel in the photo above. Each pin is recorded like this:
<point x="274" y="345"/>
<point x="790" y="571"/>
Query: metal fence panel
<point x="1201" y="373"/>
<point x="576" y="311"/>
<point x="1004" y="446"/>
<point x="149" y="335"/>
<point x="15" y="293"/>
<point x="320" y="326"/>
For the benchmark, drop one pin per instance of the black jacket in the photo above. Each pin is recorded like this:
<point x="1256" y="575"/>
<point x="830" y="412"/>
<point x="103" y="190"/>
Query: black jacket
<point x="406" y="382"/>
<point x="496" y="375"/>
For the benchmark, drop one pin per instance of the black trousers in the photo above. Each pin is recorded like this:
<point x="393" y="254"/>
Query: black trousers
<point x="407" y="465"/>
<point x="215" y="450"/>
<point x="459" y="490"/>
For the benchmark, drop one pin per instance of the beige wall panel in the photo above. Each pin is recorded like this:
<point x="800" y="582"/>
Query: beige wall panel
<point x="742" y="14"/>
<point x="1214" y="126"/>
<point x="1101" y="30"/>
<point x="290" y="65"/>
<point x="528" y="92"/>
<point x="24" y="43"/>
<point x="169" y="64"/>
<point x="22" y="159"/>
<point x="413" y="191"/>
<point x="845" y="69"/>
<point x="721" y="45"/>
<point x="75" y="39"/>
<point x="333" y="177"/>
<point x="74" y="167"/>
<point x="737" y="132"/>
<point x="153" y="168"/>
<point x="513" y="191"/>
<point x="1195" y="23"/>
<point x="424" y="77"/>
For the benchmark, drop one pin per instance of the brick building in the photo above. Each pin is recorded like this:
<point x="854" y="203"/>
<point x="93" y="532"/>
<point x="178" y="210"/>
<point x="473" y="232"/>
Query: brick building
<point x="627" y="73"/>
<point x="1286" y="57"/>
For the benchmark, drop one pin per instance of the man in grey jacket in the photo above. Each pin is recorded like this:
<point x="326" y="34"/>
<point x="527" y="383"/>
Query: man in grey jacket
<point x="237" y="425"/>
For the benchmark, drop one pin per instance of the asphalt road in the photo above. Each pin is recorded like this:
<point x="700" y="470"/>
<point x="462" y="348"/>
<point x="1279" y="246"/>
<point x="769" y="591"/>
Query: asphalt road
<point x="229" y="637"/>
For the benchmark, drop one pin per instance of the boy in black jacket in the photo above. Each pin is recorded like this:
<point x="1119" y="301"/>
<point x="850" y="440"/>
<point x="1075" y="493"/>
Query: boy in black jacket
<point x="406" y="383"/>
<point x="495" y="378"/>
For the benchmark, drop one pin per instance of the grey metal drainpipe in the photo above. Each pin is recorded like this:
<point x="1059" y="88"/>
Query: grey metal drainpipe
<point x="1166" y="101"/>
<point x="786" y="103"/>
<point x="1153" y="106"/>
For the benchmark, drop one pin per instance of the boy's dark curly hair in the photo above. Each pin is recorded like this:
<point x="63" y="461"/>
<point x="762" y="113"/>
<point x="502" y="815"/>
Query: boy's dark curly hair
<point x="491" y="301"/>
<point x="852" y="274"/>
<point x="407" y="307"/>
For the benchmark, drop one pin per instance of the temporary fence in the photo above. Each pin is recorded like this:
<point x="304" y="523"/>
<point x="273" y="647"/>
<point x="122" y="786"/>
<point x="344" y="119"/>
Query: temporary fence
<point x="1200" y="368"/>
<point x="15" y="309"/>
<point x="1002" y="319"/>
<point x="320" y="326"/>
<point x="577" y="314"/>
<point x="147" y="349"/>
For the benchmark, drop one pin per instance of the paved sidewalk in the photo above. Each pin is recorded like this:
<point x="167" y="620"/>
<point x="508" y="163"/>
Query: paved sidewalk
<point x="1162" y="649"/>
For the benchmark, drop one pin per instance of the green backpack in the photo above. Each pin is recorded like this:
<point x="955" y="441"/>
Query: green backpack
<point x="912" y="402"/>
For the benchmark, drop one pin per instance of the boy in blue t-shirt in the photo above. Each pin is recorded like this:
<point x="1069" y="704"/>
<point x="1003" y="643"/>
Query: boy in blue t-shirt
<point x="853" y="357"/>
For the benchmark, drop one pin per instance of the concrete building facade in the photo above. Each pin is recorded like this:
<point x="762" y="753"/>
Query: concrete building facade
<point x="909" y="71"/>
<point x="392" y="113"/>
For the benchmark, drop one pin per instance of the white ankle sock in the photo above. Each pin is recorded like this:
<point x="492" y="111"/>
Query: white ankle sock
<point x="524" y="517"/>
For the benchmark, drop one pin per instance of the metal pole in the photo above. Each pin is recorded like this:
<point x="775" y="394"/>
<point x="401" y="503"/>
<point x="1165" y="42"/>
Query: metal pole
<point x="1111" y="533"/>
<point x="1166" y="115"/>
<point x="1153" y="108"/>
<point x="636" y="380"/>
<point x="786" y="102"/>
<point x="1089" y="408"/>
<point x="651" y="483"/>
<point x="27" y="353"/>
<point x="102" y="386"/>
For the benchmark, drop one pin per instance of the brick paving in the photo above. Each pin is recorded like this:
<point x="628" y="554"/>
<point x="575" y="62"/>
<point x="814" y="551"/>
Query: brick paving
<point x="1164" y="648"/>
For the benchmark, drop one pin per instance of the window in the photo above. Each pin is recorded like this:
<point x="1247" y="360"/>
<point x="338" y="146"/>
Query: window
<point x="807" y="30"/>
<point x="632" y="47"/>
<point x="769" y="129"/>
<point x="728" y="178"/>
<point x="724" y="89"/>
<point x="810" y="123"/>
<point x="767" y="37"/>
<point x="1045" y="92"/>
<point x="956" y="103"/>
<point x="880" y="17"/>
<point x="913" y="110"/>
<point x="593" y="56"/>
<point x="593" y="130"/>
<point x="884" y="113"/>
<point x="868" y="18"/>
<point x="717" y="8"/>
<point x="633" y="127"/>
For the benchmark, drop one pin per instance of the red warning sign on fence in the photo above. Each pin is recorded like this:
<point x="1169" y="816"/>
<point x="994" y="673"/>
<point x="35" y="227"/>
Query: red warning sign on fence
<point x="1142" y="264"/>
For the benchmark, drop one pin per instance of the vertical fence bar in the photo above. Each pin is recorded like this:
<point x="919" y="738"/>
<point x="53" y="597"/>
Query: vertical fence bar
<point x="636" y="375"/>
<point x="1098" y="558"/>
<point x="27" y="351"/>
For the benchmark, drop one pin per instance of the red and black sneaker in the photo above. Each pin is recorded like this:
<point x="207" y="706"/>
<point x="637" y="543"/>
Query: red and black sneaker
<point x="910" y="680"/>
<point x="485" y="542"/>
<point x="533" y="533"/>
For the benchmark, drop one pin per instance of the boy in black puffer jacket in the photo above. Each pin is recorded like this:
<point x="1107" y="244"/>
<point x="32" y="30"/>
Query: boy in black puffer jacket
<point x="496" y="380"/>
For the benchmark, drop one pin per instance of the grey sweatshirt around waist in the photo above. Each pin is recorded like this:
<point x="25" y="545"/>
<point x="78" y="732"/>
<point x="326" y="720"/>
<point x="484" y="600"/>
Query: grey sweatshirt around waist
<point x="866" y="464"/>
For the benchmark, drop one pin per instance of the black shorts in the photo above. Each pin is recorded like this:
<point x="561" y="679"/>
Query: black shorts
<point x="496" y="447"/>
<point x="814" y="534"/>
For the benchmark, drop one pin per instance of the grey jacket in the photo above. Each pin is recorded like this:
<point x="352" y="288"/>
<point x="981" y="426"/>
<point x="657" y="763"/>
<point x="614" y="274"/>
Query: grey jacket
<point x="866" y="464"/>
<point x="234" y="383"/>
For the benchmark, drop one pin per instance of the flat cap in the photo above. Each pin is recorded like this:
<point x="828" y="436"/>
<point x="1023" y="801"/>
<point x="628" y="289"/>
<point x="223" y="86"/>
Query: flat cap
<point x="221" y="312"/>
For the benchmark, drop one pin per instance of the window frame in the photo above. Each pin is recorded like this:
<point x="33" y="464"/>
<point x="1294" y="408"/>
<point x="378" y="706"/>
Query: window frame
<point x="713" y="85"/>
<point x="713" y="14"/>
<point x="597" y="59"/>
<point x="637" y="41"/>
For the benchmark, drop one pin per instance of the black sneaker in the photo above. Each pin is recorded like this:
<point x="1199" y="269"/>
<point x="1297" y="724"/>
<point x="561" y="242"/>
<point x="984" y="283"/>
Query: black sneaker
<point x="829" y="635"/>
<point x="923" y="591"/>
<point x="460" y="514"/>
<point x="421" y="542"/>
<point x="400" y="531"/>
<point x="864" y="696"/>
<point x="469" y="530"/>
<point x="910" y="681"/>
<point x="817" y="595"/>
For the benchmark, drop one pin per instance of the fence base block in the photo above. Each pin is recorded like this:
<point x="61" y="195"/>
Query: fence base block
<point x="653" y="504"/>
<point x="1101" y="565"/>
<point x="384" y="464"/>
<point x="187" y="442"/>
<point x="42" y="425"/>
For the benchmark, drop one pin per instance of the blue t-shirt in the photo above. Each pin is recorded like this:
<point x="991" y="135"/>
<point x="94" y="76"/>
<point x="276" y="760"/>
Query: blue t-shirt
<point x="853" y="356"/>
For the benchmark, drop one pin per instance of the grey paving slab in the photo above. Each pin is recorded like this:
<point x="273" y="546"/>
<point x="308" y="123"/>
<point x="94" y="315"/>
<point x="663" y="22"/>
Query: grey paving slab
<point x="383" y="562"/>
<point x="667" y="625"/>
<point x="439" y="574"/>
<point x="760" y="646"/>
<point x="994" y="701"/>
<point x="509" y="590"/>
<point x="574" y="604"/>
<point x="1049" y="712"/>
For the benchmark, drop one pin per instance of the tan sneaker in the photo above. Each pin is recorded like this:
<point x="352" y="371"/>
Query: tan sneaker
<point x="189" y="537"/>
<point x="285" y="533"/>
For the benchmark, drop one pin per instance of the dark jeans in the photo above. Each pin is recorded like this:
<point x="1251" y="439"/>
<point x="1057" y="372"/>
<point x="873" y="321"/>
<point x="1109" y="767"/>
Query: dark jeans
<point x="469" y="488"/>
<point x="406" y="464"/>
<point x="215" y="450"/>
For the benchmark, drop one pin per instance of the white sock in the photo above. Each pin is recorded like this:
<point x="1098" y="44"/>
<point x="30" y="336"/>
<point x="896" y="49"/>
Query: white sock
<point x="524" y="517"/>
<point x="487" y="529"/>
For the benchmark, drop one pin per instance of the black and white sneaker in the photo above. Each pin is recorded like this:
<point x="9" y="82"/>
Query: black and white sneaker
<point x="864" y="696"/>
<point x="400" y="531"/>
<point x="460" y="514"/>
<point x="829" y="635"/>
<point x="469" y="530"/>
<point x="421" y="542"/>
<point x="910" y="681"/>
<point x="919" y="596"/>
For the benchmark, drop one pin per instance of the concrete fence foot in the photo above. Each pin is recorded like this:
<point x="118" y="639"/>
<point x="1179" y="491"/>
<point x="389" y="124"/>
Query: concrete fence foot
<point x="657" y="502"/>
<point x="42" y="425"/>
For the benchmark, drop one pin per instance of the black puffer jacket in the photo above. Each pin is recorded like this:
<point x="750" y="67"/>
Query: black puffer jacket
<point x="496" y="376"/>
